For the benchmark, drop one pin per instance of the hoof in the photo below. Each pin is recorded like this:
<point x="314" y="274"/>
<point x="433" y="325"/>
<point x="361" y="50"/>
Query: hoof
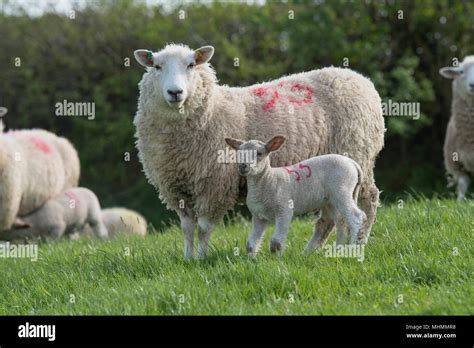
<point x="275" y="246"/>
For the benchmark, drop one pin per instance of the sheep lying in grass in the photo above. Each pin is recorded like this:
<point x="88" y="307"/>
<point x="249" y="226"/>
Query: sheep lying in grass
<point x="62" y="215"/>
<point x="122" y="220"/>
<point x="35" y="165"/>
<point x="459" y="141"/>
<point x="183" y="115"/>
<point x="329" y="183"/>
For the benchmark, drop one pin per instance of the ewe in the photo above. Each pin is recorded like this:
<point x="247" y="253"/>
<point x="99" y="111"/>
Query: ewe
<point x="35" y="165"/>
<point x="459" y="142"/>
<point x="62" y="215"/>
<point x="183" y="115"/>
<point x="329" y="183"/>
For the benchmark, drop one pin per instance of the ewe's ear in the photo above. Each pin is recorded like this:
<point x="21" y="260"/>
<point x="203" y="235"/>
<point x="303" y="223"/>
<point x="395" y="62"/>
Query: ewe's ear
<point x="275" y="143"/>
<point x="19" y="224"/>
<point x="451" y="72"/>
<point x="144" y="57"/>
<point x="203" y="54"/>
<point x="234" y="143"/>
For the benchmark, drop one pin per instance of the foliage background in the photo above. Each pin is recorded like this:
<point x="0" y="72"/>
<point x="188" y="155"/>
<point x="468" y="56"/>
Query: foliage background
<point x="83" y="59"/>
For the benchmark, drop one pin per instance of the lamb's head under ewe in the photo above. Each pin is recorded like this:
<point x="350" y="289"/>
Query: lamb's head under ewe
<point x="463" y="76"/>
<point x="253" y="155"/>
<point x="174" y="72"/>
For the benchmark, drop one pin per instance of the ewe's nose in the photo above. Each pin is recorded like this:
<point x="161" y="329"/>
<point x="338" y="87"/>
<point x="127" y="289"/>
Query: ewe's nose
<point x="174" y="92"/>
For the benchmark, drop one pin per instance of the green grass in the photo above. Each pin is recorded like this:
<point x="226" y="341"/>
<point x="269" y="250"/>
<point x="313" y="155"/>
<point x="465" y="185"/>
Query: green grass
<point x="419" y="260"/>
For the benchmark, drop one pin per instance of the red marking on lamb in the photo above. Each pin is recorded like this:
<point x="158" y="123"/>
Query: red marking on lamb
<point x="72" y="196"/>
<point x="304" y="166"/>
<point x="290" y="171"/>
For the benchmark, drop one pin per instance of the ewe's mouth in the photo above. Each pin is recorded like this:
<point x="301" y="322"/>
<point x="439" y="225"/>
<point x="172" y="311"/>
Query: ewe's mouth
<point x="175" y="103"/>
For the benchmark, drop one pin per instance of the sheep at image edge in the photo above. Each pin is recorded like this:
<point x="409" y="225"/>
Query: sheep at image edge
<point x="183" y="115"/>
<point x="67" y="213"/>
<point x="459" y="141"/>
<point x="35" y="165"/>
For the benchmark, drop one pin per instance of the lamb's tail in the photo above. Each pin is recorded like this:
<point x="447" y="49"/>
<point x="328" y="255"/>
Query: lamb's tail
<point x="360" y="177"/>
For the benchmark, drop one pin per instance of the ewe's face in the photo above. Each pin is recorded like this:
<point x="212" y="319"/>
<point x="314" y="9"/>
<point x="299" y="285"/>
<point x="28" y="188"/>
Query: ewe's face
<point x="463" y="76"/>
<point x="173" y="70"/>
<point x="253" y="155"/>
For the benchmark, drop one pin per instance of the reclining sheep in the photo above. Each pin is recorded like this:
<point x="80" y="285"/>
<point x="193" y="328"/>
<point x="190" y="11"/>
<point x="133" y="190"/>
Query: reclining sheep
<point x="60" y="216"/>
<point x="122" y="220"/>
<point x="35" y="165"/>
<point x="459" y="141"/>
<point x="183" y="115"/>
<point x="329" y="183"/>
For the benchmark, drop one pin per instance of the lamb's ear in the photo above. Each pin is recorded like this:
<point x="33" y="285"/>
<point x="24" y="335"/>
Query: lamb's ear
<point x="234" y="143"/>
<point x="275" y="143"/>
<point x="144" y="57"/>
<point x="19" y="224"/>
<point x="451" y="72"/>
<point x="203" y="54"/>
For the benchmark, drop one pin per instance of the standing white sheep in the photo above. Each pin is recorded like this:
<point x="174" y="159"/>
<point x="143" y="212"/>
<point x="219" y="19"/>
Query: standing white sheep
<point x="62" y="215"/>
<point x="183" y="115"/>
<point x="35" y="165"/>
<point x="459" y="141"/>
<point x="329" y="183"/>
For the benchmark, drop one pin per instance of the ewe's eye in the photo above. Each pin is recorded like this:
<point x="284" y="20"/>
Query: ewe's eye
<point x="157" y="67"/>
<point x="192" y="65"/>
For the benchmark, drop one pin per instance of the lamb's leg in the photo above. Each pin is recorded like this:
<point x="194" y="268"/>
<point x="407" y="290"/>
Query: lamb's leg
<point x="342" y="235"/>
<point x="255" y="238"/>
<point x="205" y="228"/>
<point x="282" y="225"/>
<point x="322" y="229"/>
<point x="187" y="225"/>
<point x="352" y="216"/>
<point x="369" y="201"/>
<point x="463" y="182"/>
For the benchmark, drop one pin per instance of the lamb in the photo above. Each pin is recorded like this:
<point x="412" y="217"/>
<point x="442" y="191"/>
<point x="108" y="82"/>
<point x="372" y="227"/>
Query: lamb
<point x="327" y="183"/>
<point x="60" y="216"/>
<point x="459" y="141"/>
<point x="183" y="115"/>
<point x="122" y="220"/>
<point x="35" y="165"/>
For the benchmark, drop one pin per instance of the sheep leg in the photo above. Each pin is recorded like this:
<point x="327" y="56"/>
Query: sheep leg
<point x="187" y="225"/>
<point x="282" y="225"/>
<point x="321" y="232"/>
<point x="255" y="238"/>
<point x="369" y="201"/>
<point x="342" y="235"/>
<point x="463" y="182"/>
<point x="205" y="228"/>
<point x="353" y="217"/>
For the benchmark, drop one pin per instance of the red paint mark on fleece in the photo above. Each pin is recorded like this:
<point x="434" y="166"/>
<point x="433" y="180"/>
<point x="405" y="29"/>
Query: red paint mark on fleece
<point x="294" y="170"/>
<point x="40" y="144"/>
<point x="271" y="96"/>
<point x="274" y="96"/>
<point x="290" y="171"/>
<point x="308" y="94"/>
<point x="72" y="196"/>
<point x="304" y="166"/>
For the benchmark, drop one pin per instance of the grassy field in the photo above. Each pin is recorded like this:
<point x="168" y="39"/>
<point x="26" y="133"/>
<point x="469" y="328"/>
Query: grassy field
<point x="419" y="260"/>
